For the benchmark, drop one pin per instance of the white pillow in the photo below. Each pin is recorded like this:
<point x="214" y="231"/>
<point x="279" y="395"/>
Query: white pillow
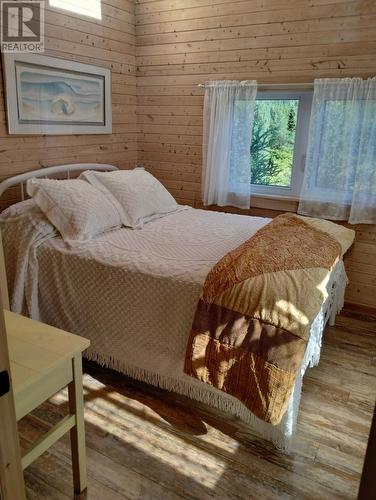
<point x="21" y="208"/>
<point x="77" y="210"/>
<point x="141" y="196"/>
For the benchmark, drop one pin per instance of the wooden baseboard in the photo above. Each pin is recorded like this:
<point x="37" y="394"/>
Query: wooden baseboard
<point x="360" y="311"/>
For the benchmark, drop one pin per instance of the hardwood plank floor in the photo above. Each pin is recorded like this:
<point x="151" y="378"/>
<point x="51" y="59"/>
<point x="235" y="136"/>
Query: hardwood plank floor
<point x="145" y="443"/>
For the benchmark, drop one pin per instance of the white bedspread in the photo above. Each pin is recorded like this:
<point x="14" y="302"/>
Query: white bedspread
<point x="133" y="293"/>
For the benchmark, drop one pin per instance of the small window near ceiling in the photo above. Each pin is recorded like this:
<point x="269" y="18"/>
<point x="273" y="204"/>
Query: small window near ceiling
<point x="89" y="8"/>
<point x="279" y="142"/>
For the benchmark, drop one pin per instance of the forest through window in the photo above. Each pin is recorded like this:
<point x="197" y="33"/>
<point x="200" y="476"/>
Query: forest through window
<point x="273" y="141"/>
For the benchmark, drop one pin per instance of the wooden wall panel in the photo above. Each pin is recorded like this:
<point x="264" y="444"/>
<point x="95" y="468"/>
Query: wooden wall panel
<point x="110" y="43"/>
<point x="273" y="41"/>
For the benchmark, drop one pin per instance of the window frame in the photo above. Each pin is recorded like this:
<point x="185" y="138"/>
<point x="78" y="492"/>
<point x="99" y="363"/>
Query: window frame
<point x="300" y="146"/>
<point x="70" y="7"/>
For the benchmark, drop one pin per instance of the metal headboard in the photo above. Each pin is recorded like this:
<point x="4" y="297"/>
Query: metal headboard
<point x="51" y="171"/>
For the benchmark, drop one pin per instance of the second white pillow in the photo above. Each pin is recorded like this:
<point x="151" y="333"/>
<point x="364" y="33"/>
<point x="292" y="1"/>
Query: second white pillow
<point x="141" y="196"/>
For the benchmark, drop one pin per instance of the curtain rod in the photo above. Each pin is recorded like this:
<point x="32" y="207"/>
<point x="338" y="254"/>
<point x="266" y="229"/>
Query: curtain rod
<point x="278" y="85"/>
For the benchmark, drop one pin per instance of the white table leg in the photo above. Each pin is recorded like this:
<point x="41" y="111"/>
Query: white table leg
<point x="77" y="433"/>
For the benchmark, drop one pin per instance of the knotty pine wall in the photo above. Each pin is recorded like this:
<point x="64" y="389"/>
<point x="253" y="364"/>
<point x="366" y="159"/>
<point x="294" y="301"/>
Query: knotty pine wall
<point x="270" y="40"/>
<point x="181" y="44"/>
<point x="109" y="42"/>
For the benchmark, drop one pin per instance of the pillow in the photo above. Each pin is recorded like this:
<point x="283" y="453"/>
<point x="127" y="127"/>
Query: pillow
<point x="20" y="208"/>
<point x="141" y="196"/>
<point x="74" y="207"/>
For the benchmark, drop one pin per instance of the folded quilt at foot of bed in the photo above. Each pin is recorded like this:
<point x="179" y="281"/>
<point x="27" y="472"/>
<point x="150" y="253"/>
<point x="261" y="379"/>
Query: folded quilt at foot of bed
<point x="253" y="320"/>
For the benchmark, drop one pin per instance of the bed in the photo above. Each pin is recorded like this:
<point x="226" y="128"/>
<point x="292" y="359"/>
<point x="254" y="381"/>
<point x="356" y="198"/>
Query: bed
<point x="114" y="290"/>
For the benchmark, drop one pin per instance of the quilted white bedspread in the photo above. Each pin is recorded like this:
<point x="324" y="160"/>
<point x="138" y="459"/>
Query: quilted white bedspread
<point x="133" y="293"/>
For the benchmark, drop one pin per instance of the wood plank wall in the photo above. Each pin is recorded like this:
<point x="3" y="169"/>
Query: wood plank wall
<point x="181" y="44"/>
<point x="109" y="42"/>
<point x="270" y="40"/>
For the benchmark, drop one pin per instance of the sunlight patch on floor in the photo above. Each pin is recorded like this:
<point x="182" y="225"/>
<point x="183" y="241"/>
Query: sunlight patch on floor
<point x="142" y="428"/>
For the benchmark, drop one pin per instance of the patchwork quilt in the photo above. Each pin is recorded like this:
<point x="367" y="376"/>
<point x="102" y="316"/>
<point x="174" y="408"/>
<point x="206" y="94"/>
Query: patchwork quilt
<point x="253" y="319"/>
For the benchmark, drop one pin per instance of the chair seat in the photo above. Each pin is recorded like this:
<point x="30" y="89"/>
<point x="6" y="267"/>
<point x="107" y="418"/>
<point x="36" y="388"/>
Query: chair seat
<point x="37" y="351"/>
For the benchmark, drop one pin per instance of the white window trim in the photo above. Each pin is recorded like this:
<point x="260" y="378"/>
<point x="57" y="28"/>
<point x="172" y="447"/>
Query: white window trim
<point x="300" y="148"/>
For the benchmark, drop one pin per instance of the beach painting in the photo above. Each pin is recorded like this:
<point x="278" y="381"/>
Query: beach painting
<point x="57" y="97"/>
<point x="61" y="100"/>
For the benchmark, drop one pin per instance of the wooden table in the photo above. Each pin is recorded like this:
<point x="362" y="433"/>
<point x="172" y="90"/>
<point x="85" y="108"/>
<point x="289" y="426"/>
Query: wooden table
<point x="43" y="360"/>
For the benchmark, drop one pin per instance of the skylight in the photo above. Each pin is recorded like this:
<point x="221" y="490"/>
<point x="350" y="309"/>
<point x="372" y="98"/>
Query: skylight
<point x="90" y="8"/>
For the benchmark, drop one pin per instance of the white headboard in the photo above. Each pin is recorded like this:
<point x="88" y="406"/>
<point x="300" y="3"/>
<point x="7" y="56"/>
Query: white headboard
<point x="65" y="170"/>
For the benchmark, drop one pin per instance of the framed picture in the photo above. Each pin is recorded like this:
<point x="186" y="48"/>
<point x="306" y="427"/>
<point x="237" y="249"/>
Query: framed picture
<point x="46" y="95"/>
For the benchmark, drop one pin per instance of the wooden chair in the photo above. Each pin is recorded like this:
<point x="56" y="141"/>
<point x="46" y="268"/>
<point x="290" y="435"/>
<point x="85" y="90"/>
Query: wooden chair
<point x="12" y="485"/>
<point x="43" y="360"/>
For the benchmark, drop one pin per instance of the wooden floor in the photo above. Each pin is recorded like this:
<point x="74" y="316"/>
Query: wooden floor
<point x="149" y="444"/>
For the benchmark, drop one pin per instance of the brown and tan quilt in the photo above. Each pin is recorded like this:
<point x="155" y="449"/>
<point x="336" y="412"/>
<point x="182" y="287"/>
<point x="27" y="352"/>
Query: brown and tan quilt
<point x="253" y="319"/>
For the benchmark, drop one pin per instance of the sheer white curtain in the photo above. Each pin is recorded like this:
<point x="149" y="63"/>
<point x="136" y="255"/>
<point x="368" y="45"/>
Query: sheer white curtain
<point x="340" y="174"/>
<point x="228" y="117"/>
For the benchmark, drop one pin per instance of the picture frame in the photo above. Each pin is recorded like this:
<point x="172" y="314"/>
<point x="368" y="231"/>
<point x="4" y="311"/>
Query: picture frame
<point x="52" y="96"/>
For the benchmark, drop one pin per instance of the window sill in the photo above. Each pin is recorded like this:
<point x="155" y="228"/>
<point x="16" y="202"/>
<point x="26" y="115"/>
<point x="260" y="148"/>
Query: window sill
<point x="260" y="205"/>
<point x="274" y="202"/>
<point x="275" y="197"/>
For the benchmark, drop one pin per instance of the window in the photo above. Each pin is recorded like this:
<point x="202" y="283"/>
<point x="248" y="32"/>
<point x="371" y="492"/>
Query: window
<point x="279" y="142"/>
<point x="89" y="8"/>
<point x="343" y="126"/>
<point x="339" y="179"/>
